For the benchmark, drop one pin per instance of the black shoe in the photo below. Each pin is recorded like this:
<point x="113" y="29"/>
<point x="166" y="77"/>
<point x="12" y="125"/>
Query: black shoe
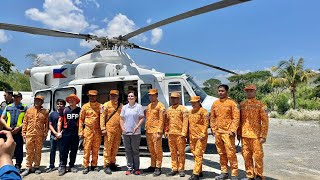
<point x="247" y="179"/>
<point x="74" y="170"/>
<point x="172" y="173"/>
<point x="258" y="178"/>
<point x="68" y="169"/>
<point x="234" y="178"/>
<point x="222" y="176"/>
<point x="26" y="172"/>
<point x="37" y="171"/>
<point x="107" y="170"/>
<point x="157" y="172"/>
<point x="182" y="174"/>
<point x="95" y="168"/>
<point x="50" y="169"/>
<point x="85" y="171"/>
<point x="114" y="167"/>
<point x="200" y="174"/>
<point x="149" y="170"/>
<point x="194" y="177"/>
<point x="62" y="171"/>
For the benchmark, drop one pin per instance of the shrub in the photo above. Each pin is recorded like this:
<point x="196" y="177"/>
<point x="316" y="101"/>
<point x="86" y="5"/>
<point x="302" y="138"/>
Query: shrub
<point x="273" y="114"/>
<point x="303" y="114"/>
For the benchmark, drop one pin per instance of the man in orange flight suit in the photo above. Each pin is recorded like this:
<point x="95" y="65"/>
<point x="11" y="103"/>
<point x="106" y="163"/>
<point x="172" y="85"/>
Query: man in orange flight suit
<point x="34" y="132"/>
<point x="154" y="130"/>
<point x="89" y="129"/>
<point x="253" y="132"/>
<point x="198" y="134"/>
<point x="224" y="122"/>
<point x="176" y="128"/>
<point x="110" y="126"/>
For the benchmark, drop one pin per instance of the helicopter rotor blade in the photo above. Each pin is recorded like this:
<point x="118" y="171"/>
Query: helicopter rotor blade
<point x="42" y="31"/>
<point x="188" y="59"/>
<point x="211" y="7"/>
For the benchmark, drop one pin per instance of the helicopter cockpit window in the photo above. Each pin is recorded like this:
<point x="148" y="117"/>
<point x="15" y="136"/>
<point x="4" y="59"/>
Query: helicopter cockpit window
<point x="174" y="87"/>
<point x="186" y="97"/>
<point x="47" y="98"/>
<point x="62" y="94"/>
<point x="197" y="90"/>
<point x="144" y="89"/>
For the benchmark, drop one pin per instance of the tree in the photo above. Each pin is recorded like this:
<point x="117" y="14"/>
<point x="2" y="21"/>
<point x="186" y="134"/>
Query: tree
<point x="5" y="65"/>
<point x="211" y="86"/>
<point x="290" y="74"/>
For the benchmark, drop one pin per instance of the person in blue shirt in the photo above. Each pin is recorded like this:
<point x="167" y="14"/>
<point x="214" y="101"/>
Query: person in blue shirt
<point x="55" y="136"/>
<point x="7" y="170"/>
<point x="8" y="94"/>
<point x="11" y="119"/>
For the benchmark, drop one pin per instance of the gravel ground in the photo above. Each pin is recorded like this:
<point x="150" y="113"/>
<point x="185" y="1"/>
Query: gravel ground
<point x="292" y="152"/>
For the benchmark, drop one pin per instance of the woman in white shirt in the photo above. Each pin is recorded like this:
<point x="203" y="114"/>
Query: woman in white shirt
<point x="131" y="119"/>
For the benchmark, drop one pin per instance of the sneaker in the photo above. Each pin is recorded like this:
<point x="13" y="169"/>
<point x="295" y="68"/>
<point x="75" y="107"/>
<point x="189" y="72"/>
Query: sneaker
<point x="137" y="172"/>
<point x="37" y="171"/>
<point x="172" y="173"/>
<point x="68" y="169"/>
<point x="62" y="171"/>
<point x="258" y="178"/>
<point x="234" y="178"/>
<point x="128" y="172"/>
<point x="50" y="169"/>
<point x="157" y="172"/>
<point x="149" y="169"/>
<point x="182" y="174"/>
<point x="73" y="170"/>
<point x="26" y="172"/>
<point x="95" y="168"/>
<point x="107" y="170"/>
<point x="114" y="167"/>
<point x="194" y="177"/>
<point x="222" y="176"/>
<point x="85" y="171"/>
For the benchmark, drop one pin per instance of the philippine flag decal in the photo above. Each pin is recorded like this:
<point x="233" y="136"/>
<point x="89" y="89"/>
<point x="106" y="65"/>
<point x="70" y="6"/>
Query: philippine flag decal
<point x="58" y="73"/>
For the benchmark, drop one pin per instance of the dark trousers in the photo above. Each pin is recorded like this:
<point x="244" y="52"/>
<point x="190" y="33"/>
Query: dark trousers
<point x="131" y="145"/>
<point x="69" y="142"/>
<point x="54" y="146"/>
<point x="18" y="152"/>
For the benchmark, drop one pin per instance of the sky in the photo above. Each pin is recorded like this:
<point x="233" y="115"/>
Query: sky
<point x="251" y="36"/>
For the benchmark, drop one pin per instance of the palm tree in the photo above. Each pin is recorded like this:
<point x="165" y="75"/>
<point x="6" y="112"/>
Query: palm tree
<point x="290" y="74"/>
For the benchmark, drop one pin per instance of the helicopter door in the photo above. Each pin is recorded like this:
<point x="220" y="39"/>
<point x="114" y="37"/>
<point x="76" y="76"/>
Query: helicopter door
<point x="47" y="94"/>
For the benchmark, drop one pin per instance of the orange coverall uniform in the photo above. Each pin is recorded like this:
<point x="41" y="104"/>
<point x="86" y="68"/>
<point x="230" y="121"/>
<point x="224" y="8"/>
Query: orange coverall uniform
<point x="176" y="126"/>
<point x="225" y="117"/>
<point x="198" y="128"/>
<point x="154" y="125"/>
<point x="35" y="129"/>
<point x="253" y="126"/>
<point x="90" y="117"/>
<point x="112" y="138"/>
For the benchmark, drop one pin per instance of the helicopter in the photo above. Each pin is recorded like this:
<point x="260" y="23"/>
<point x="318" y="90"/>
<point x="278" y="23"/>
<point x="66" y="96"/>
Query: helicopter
<point x="108" y="67"/>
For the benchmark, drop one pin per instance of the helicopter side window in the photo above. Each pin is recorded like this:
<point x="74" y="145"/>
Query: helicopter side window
<point x="174" y="87"/>
<point x="186" y="97"/>
<point x="47" y="98"/>
<point x="144" y="89"/>
<point x="62" y="94"/>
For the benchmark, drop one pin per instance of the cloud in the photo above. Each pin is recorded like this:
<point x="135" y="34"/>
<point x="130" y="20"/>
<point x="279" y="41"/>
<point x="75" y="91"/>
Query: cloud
<point x="3" y="37"/>
<point x="59" y="15"/>
<point x="79" y="2"/>
<point x="224" y="77"/>
<point x="149" y="20"/>
<point x="156" y="35"/>
<point x="120" y="24"/>
<point x="56" y="58"/>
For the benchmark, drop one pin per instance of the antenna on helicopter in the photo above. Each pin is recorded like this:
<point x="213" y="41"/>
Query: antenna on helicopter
<point x="122" y="41"/>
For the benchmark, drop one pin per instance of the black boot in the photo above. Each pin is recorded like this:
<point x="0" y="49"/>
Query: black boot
<point x="107" y="170"/>
<point x="200" y="174"/>
<point x="114" y="167"/>
<point x="247" y="179"/>
<point x="85" y="171"/>
<point x="62" y="171"/>
<point x="194" y="177"/>
<point x="182" y="174"/>
<point x="157" y="172"/>
<point x="18" y="167"/>
<point x="222" y="176"/>
<point x="95" y="168"/>
<point x="172" y="173"/>
<point x="258" y="178"/>
<point x="234" y="178"/>
<point x="149" y="169"/>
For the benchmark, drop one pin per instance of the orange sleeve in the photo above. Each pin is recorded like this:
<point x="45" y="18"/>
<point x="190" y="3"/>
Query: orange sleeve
<point x="161" y="118"/>
<point x="264" y="121"/>
<point x="103" y="116"/>
<point x="25" y="122"/>
<point x="213" y="119"/>
<point x="185" y="122"/>
<point x="235" y="117"/>
<point x="81" y="120"/>
<point x="239" y="131"/>
<point x="205" y="117"/>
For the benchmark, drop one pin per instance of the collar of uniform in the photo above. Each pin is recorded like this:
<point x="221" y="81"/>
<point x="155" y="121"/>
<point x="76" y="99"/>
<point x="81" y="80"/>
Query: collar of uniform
<point x="132" y="106"/>
<point x="223" y="99"/>
<point x="93" y="103"/>
<point x="155" y="103"/>
<point x="114" y="102"/>
<point x="196" y="109"/>
<point x="175" y="106"/>
<point x="251" y="100"/>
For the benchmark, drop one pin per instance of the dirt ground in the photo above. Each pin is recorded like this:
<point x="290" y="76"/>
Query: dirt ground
<point x="292" y="152"/>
